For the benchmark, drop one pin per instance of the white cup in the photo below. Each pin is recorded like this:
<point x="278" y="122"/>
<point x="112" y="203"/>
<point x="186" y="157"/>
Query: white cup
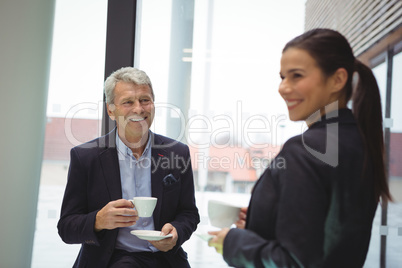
<point x="222" y="214"/>
<point x="144" y="205"/>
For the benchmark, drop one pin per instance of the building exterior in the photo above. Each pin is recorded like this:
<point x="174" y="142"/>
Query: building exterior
<point x="370" y="25"/>
<point x="62" y="134"/>
<point x="231" y="169"/>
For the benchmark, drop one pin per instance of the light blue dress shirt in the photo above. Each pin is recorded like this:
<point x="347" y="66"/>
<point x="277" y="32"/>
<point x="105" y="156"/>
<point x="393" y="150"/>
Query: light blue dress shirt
<point x="135" y="175"/>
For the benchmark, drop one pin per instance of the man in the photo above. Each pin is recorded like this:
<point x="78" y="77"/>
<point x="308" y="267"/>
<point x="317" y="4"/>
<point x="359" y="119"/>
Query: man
<point x="129" y="161"/>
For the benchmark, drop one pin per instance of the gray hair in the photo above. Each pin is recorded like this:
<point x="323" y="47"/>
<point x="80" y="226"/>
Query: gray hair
<point x="129" y="75"/>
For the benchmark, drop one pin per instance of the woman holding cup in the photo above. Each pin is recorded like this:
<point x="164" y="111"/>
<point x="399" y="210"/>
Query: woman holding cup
<point x="314" y="205"/>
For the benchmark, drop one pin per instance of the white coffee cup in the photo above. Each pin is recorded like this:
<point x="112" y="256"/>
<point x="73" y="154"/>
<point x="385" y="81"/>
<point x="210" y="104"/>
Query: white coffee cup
<point x="144" y="205"/>
<point x="222" y="214"/>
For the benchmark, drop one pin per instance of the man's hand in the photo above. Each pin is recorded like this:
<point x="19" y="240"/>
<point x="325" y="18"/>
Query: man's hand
<point x="118" y="213"/>
<point x="167" y="243"/>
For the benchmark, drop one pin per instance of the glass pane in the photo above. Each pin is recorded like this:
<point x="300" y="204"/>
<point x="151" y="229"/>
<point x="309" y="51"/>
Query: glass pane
<point x="394" y="238"/>
<point x="73" y="115"/>
<point x="234" y="118"/>
<point x="380" y="73"/>
<point x="393" y="230"/>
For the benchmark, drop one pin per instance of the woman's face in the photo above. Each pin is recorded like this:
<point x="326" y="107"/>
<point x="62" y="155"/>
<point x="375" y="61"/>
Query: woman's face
<point x="304" y="87"/>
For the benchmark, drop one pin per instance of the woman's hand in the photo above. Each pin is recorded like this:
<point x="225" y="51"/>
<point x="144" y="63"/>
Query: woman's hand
<point x="217" y="240"/>
<point x="241" y="223"/>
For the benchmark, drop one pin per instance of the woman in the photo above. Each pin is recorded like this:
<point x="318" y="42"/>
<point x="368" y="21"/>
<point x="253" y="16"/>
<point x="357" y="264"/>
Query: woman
<point x="314" y="205"/>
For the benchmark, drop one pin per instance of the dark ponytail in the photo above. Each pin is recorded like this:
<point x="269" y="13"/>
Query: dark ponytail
<point x="332" y="51"/>
<point x="367" y="110"/>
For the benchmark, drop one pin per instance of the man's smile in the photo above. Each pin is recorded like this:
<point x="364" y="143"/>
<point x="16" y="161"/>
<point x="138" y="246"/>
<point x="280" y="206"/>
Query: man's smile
<point x="138" y="119"/>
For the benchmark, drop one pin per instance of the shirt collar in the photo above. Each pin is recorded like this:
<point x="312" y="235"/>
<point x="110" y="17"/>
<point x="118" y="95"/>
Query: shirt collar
<point x="125" y="150"/>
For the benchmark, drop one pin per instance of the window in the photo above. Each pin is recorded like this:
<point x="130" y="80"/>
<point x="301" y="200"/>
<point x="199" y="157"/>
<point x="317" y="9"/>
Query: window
<point x="74" y="105"/>
<point x="217" y="75"/>
<point x="390" y="230"/>
<point x="394" y="238"/>
<point x="215" y="82"/>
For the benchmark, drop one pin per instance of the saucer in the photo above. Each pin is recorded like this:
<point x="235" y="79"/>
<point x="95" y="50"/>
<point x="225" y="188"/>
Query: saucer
<point x="149" y="235"/>
<point x="205" y="237"/>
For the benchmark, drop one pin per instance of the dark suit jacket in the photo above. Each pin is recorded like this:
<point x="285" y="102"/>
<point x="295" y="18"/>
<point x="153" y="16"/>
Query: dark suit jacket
<point x="313" y="206"/>
<point x="94" y="180"/>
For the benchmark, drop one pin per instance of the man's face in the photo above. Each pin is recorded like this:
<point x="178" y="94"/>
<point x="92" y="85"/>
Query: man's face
<point x="133" y="110"/>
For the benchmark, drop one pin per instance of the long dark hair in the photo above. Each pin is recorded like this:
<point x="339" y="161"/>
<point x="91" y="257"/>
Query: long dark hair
<point x="332" y="51"/>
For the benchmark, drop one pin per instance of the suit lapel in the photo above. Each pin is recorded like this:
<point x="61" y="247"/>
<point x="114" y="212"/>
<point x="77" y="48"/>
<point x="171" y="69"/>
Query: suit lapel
<point x="110" y="166"/>
<point x="157" y="175"/>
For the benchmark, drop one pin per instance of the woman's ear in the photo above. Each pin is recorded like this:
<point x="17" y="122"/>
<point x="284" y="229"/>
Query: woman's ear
<point x="339" y="79"/>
